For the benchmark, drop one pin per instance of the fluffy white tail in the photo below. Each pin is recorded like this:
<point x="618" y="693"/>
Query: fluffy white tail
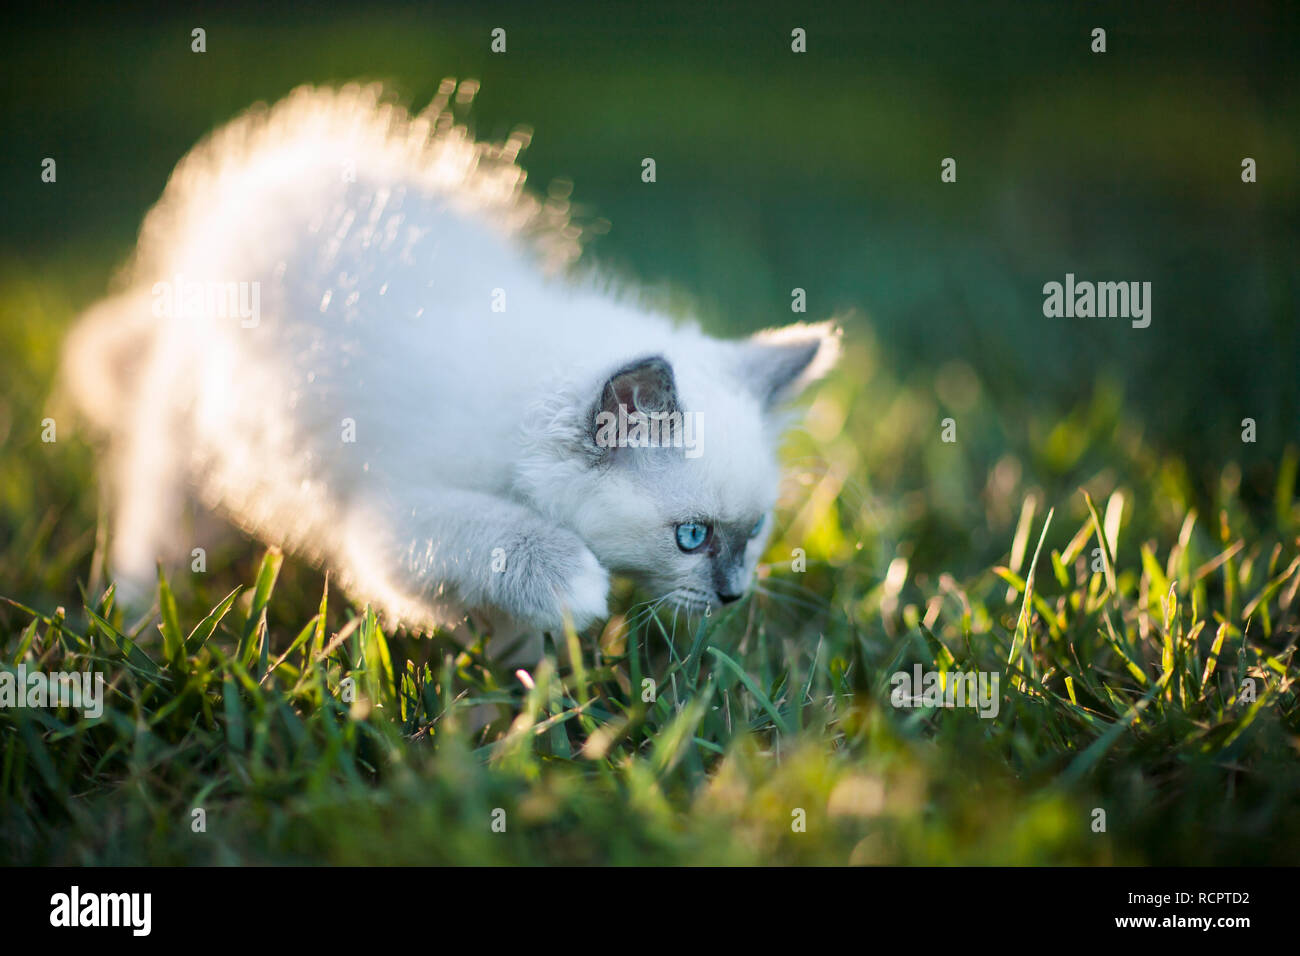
<point x="103" y="354"/>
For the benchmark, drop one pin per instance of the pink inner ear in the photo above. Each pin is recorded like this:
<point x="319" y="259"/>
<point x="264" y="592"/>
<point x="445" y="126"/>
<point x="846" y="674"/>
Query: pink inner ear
<point x="647" y="386"/>
<point x="625" y="392"/>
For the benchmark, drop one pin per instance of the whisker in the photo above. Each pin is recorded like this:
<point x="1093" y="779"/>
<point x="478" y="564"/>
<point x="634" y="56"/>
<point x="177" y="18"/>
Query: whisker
<point x="649" y="608"/>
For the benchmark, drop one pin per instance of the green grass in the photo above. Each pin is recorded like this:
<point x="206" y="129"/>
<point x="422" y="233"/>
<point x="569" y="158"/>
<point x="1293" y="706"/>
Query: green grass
<point x="1120" y="672"/>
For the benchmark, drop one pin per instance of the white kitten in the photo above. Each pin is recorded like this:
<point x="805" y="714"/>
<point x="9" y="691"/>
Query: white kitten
<point x="351" y="332"/>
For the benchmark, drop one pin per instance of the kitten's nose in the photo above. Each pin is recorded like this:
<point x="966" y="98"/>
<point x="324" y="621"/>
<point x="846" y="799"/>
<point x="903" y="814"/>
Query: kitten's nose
<point x="728" y="598"/>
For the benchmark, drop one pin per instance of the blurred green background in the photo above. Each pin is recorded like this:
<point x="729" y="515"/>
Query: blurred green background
<point x="778" y="170"/>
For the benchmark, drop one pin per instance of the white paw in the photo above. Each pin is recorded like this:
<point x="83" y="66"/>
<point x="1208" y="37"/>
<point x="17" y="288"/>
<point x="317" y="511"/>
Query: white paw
<point x="549" y="573"/>
<point x="586" y="591"/>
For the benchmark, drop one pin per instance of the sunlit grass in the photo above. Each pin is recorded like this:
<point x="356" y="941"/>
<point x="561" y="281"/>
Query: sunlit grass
<point x="1123" y="631"/>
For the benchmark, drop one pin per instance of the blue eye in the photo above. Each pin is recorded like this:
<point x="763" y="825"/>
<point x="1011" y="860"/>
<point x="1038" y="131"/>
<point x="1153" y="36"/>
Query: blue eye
<point x="692" y="535"/>
<point x="758" y="526"/>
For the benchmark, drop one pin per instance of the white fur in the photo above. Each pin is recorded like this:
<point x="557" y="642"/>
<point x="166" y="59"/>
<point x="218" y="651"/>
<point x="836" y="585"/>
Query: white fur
<point x="376" y="307"/>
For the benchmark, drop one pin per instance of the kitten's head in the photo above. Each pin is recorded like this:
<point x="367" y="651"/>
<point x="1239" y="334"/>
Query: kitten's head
<point x="674" y="474"/>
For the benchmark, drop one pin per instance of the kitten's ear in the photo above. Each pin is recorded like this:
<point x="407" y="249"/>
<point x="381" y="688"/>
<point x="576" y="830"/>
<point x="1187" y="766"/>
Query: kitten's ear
<point x="778" y="364"/>
<point x="644" y="385"/>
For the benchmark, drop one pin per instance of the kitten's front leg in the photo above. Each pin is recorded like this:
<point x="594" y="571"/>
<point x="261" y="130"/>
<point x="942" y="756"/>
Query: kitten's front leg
<point x="489" y="551"/>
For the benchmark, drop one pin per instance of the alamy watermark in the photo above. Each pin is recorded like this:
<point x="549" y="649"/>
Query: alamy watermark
<point x="918" y="688"/>
<point x="658" y="429"/>
<point x="75" y="908"/>
<point x="1102" y="300"/>
<point x="82" y="691"/>
<point x="182" y="299"/>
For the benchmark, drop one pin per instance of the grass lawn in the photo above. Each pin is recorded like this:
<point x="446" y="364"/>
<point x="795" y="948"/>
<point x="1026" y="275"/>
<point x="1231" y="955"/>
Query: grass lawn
<point x="770" y="735"/>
